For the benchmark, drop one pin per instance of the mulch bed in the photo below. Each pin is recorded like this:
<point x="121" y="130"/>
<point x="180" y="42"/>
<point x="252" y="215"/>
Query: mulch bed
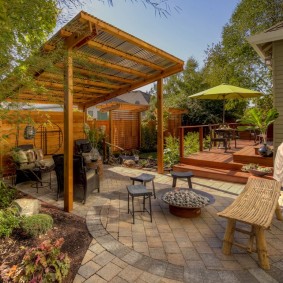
<point x="68" y="226"/>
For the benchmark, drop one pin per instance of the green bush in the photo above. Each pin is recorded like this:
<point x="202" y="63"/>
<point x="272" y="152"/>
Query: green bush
<point x="171" y="151"/>
<point x="191" y="143"/>
<point x="7" y="195"/>
<point x="9" y="220"/>
<point x="37" y="224"/>
<point x="45" y="263"/>
<point x="148" y="137"/>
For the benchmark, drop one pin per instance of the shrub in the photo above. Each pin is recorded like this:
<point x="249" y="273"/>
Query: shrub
<point x="37" y="224"/>
<point x="191" y="143"/>
<point x="9" y="220"/>
<point x="148" y="137"/>
<point x="171" y="151"/>
<point x="7" y="195"/>
<point x="45" y="263"/>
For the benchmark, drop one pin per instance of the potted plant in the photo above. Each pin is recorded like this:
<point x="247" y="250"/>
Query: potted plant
<point x="95" y="136"/>
<point x="256" y="170"/>
<point x="259" y="119"/>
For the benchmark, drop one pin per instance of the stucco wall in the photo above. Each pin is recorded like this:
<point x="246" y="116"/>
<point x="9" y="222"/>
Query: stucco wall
<point x="277" y="66"/>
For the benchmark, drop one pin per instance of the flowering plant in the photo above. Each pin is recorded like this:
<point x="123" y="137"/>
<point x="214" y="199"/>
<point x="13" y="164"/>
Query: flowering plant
<point x="45" y="263"/>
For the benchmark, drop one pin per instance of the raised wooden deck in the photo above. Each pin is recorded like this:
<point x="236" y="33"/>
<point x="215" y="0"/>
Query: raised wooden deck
<point x="226" y="166"/>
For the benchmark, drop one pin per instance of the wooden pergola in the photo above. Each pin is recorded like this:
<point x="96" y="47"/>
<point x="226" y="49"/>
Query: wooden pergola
<point x="102" y="63"/>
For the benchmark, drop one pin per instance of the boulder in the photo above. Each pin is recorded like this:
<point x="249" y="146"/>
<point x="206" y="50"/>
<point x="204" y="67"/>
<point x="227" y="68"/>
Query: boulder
<point x="28" y="207"/>
<point x="129" y="163"/>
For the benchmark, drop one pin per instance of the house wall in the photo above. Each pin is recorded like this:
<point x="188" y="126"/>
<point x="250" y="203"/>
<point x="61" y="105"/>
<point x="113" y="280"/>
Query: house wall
<point x="277" y="66"/>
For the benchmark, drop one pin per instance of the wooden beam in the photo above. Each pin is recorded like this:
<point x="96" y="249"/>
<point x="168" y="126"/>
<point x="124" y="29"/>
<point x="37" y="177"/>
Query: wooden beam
<point x="160" y="163"/>
<point x="60" y="78"/>
<point x="68" y="135"/>
<point x="111" y="133"/>
<point x="65" y="33"/>
<point x="108" y="49"/>
<point x="79" y="39"/>
<point x="48" y="47"/>
<point x="116" y="67"/>
<point x="93" y="74"/>
<point x="140" y="83"/>
<point x="129" y="38"/>
<point x="76" y="88"/>
<point x="110" y="108"/>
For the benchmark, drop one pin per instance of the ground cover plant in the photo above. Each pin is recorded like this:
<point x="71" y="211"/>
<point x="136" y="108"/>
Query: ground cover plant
<point x="18" y="248"/>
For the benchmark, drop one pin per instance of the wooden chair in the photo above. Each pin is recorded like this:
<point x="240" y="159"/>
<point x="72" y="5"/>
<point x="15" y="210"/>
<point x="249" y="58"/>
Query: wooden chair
<point x="214" y="139"/>
<point x="255" y="206"/>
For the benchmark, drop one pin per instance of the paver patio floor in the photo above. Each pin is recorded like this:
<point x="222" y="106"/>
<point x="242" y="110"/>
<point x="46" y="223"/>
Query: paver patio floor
<point x="170" y="249"/>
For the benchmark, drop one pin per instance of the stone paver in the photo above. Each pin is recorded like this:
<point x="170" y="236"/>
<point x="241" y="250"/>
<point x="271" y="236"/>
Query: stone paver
<point x="170" y="249"/>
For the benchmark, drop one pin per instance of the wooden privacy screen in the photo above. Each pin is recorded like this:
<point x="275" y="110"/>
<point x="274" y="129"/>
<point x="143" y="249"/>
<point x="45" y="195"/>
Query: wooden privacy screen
<point x="125" y="129"/>
<point x="173" y="123"/>
<point x="49" y="135"/>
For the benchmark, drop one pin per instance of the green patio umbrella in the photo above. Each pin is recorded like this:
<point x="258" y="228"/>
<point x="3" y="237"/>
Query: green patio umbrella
<point x="223" y="92"/>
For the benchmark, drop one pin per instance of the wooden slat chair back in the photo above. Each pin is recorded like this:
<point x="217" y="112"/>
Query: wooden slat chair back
<point x="214" y="139"/>
<point x="255" y="206"/>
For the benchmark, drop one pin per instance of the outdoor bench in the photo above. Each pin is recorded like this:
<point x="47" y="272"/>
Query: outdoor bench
<point x="255" y="206"/>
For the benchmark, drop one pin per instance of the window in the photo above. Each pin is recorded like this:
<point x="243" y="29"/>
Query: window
<point x="90" y="113"/>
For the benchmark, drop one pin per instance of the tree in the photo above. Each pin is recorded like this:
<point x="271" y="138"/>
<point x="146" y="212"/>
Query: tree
<point x="24" y="25"/>
<point x="178" y="88"/>
<point x="233" y="60"/>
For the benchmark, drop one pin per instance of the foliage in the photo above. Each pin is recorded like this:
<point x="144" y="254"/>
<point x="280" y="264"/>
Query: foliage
<point x="7" y="194"/>
<point x="37" y="224"/>
<point x="258" y="119"/>
<point x="191" y="143"/>
<point x="45" y="263"/>
<point x="95" y="136"/>
<point x="24" y="25"/>
<point x="233" y="60"/>
<point x="178" y="89"/>
<point x="148" y="136"/>
<point x="9" y="220"/>
<point x="253" y="166"/>
<point x="171" y="151"/>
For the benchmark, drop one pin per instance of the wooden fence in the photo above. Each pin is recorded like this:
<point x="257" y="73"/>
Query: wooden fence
<point x="49" y="132"/>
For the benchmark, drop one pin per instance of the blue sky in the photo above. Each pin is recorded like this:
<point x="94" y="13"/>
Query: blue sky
<point x="184" y="34"/>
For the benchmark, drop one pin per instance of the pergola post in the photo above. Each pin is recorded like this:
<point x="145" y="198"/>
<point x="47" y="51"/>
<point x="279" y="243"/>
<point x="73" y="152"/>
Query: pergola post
<point x="160" y="165"/>
<point x="68" y="133"/>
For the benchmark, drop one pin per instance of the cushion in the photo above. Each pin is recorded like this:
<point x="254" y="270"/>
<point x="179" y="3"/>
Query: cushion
<point x="20" y="156"/>
<point x="39" y="154"/>
<point x="86" y="147"/>
<point x="30" y="156"/>
<point x="87" y="157"/>
<point x="46" y="163"/>
<point x="25" y="166"/>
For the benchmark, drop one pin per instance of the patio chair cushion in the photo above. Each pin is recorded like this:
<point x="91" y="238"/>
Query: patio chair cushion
<point x="30" y="156"/>
<point x="39" y="154"/>
<point x="20" y="156"/>
<point x="26" y="159"/>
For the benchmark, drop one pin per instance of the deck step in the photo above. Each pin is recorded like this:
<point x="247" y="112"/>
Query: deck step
<point x="214" y="173"/>
<point x="247" y="155"/>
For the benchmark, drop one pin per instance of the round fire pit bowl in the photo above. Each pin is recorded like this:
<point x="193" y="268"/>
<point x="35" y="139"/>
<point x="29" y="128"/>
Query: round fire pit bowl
<point x="186" y="203"/>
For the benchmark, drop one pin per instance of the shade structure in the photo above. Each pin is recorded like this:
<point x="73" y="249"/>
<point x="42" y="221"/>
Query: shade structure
<point x="225" y="91"/>
<point x="107" y="62"/>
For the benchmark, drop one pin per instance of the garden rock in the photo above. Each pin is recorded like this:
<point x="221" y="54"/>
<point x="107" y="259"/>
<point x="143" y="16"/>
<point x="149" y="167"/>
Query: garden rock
<point x="28" y="207"/>
<point x="129" y="163"/>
